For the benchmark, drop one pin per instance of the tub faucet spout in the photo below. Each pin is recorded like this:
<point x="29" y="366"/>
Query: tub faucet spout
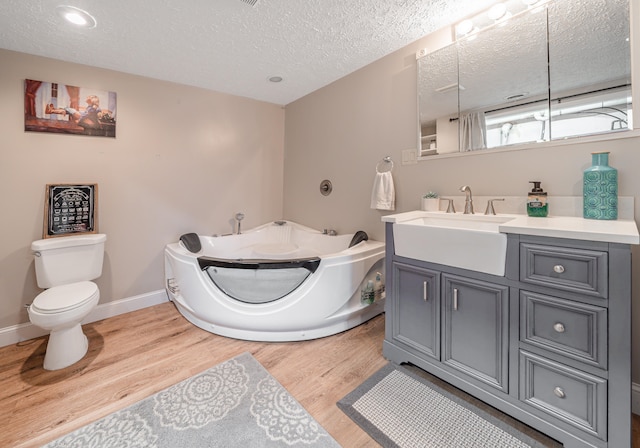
<point x="468" y="202"/>
<point x="239" y="217"/>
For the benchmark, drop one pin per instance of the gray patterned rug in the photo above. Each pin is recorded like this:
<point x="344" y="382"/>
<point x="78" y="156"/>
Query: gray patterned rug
<point x="398" y="408"/>
<point x="234" y="404"/>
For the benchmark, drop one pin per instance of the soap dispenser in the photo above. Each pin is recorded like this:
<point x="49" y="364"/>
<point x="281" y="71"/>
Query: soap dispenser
<point x="367" y="295"/>
<point x="537" y="205"/>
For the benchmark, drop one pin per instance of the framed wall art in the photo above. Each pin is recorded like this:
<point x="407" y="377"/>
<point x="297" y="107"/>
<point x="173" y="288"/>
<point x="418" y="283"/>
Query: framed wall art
<point x="66" y="109"/>
<point x="70" y="209"/>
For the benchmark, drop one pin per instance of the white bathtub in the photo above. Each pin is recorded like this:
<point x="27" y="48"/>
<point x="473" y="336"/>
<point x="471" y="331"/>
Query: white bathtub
<point x="278" y="282"/>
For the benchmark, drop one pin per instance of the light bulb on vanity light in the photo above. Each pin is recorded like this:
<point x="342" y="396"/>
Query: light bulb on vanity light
<point x="464" y="27"/>
<point x="531" y="3"/>
<point x="497" y="11"/>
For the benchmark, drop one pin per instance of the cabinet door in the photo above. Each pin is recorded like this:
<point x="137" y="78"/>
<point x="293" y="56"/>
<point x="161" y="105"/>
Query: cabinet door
<point x="416" y="309"/>
<point x="476" y="331"/>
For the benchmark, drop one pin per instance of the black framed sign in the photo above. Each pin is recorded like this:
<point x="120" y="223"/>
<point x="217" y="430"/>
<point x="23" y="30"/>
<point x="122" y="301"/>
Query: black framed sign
<point x="70" y="209"/>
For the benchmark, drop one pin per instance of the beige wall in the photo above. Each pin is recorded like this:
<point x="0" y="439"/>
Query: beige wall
<point x="341" y="131"/>
<point x="187" y="159"/>
<point x="184" y="160"/>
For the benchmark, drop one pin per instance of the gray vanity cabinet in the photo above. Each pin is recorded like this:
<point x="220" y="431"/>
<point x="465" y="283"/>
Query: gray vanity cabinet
<point x="563" y="341"/>
<point x="467" y="318"/>
<point x="476" y="321"/>
<point x="416" y="319"/>
<point x="548" y="343"/>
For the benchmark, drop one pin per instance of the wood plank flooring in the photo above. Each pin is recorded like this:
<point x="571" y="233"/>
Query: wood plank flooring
<point x="137" y="354"/>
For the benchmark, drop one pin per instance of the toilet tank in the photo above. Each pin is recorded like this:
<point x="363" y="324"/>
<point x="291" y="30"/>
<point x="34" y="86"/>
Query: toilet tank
<point x="68" y="259"/>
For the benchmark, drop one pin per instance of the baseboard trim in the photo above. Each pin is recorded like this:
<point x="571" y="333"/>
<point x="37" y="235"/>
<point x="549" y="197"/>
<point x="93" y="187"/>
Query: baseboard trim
<point x="22" y="332"/>
<point x="635" y="398"/>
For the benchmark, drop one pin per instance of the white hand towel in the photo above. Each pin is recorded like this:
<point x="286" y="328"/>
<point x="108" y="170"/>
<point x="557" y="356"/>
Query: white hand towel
<point x="383" y="195"/>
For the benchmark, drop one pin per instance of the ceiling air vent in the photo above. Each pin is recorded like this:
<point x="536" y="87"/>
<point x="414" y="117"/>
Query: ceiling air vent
<point x="250" y="2"/>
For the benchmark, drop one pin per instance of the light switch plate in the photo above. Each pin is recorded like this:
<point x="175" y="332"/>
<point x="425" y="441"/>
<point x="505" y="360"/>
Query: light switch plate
<point x="409" y="157"/>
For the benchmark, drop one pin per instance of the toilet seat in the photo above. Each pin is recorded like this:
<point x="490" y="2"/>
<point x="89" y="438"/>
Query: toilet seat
<point x="64" y="297"/>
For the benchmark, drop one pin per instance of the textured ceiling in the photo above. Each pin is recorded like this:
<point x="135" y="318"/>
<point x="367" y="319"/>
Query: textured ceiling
<point x="230" y="46"/>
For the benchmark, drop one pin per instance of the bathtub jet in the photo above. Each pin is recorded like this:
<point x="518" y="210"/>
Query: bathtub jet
<point x="277" y="282"/>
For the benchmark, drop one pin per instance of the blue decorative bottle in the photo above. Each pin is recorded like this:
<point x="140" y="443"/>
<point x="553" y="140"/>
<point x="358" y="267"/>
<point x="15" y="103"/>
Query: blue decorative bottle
<point x="600" y="188"/>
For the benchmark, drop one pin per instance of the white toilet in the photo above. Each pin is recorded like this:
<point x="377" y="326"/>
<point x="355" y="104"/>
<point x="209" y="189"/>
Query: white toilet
<point x="65" y="266"/>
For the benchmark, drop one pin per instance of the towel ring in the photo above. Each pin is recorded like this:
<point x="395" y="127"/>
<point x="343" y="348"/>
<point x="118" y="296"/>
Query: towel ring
<point x="385" y="165"/>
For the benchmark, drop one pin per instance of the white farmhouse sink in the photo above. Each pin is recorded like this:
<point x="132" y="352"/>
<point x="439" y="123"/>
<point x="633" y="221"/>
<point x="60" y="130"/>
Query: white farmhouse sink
<point x="471" y="242"/>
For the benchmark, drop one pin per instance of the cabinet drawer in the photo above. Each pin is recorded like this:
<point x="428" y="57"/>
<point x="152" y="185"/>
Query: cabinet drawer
<point x="567" y="394"/>
<point x="569" y="328"/>
<point x="569" y="269"/>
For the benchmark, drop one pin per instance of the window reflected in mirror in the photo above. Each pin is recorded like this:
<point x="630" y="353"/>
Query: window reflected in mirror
<point x="591" y="113"/>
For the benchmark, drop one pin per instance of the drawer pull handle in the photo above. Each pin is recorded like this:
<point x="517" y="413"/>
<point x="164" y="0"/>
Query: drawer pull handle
<point x="559" y="392"/>
<point x="558" y="327"/>
<point x="558" y="268"/>
<point x="455" y="299"/>
<point x="424" y="291"/>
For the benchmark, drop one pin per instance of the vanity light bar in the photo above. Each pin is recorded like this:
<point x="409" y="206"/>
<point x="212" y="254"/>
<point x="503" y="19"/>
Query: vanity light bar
<point x="499" y="12"/>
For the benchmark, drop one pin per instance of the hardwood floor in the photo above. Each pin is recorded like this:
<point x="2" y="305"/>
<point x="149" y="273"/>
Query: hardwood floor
<point x="137" y="354"/>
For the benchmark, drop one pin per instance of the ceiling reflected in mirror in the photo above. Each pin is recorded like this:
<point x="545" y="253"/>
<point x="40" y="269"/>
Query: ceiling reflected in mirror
<point x="527" y="72"/>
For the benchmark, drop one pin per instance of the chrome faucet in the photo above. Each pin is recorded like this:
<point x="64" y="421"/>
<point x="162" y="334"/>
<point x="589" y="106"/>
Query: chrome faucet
<point x="468" y="202"/>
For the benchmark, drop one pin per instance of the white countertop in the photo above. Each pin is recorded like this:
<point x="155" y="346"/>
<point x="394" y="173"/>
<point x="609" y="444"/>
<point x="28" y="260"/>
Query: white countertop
<point x="623" y="231"/>
<point x="614" y="231"/>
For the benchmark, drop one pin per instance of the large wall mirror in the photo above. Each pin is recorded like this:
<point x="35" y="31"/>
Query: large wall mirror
<point x="554" y="70"/>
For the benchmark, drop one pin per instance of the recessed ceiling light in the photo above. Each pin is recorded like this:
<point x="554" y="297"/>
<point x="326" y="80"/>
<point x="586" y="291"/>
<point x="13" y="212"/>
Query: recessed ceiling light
<point x="276" y="79"/>
<point x="76" y="16"/>
<point x="517" y="96"/>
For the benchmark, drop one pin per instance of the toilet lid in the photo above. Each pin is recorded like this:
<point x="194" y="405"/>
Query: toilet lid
<point x="64" y="297"/>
